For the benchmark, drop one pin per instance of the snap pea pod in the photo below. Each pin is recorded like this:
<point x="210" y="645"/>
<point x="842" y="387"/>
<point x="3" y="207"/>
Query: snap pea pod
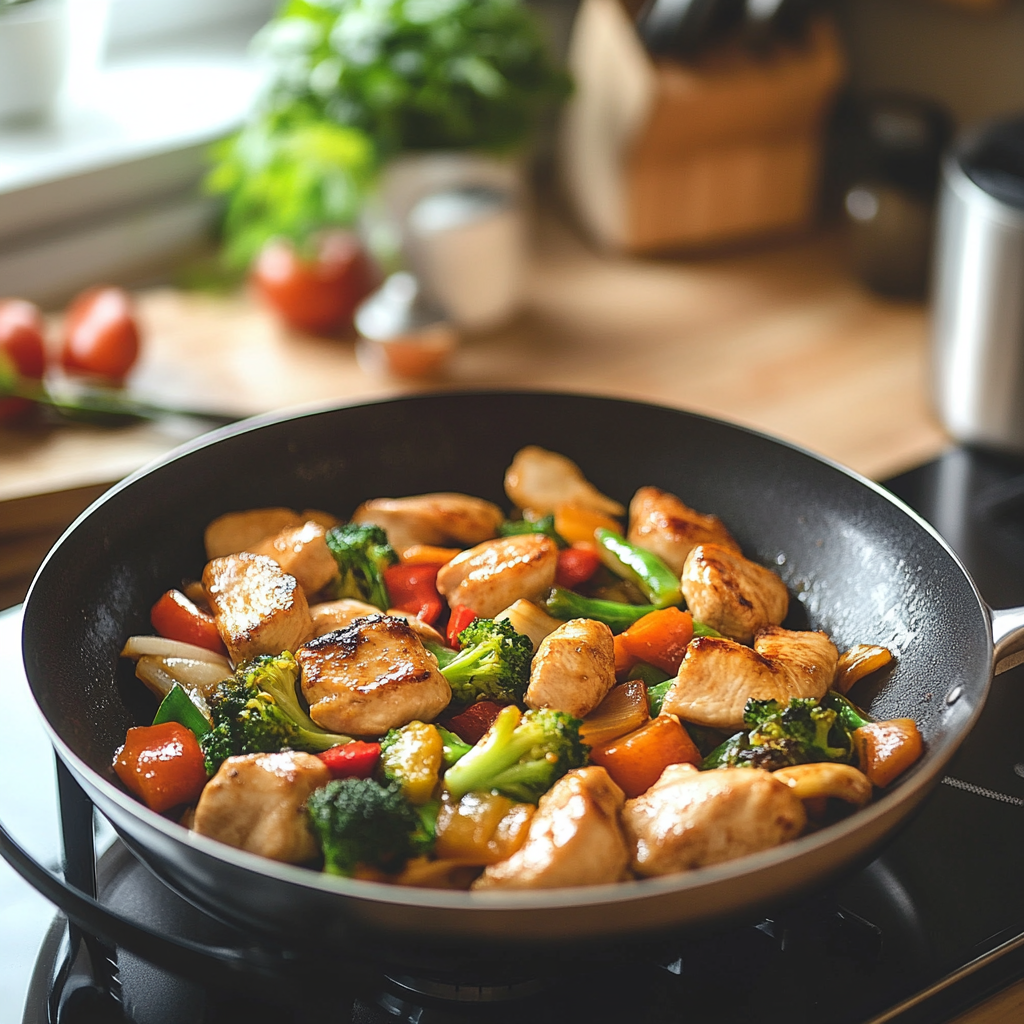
<point x="658" y="583"/>
<point x="567" y="604"/>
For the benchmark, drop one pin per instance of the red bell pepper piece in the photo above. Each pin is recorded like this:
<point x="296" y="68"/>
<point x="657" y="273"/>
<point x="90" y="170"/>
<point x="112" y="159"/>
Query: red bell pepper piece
<point x="576" y="565"/>
<point x="471" y="724"/>
<point x="175" y="617"/>
<point x="460" y="618"/>
<point x="355" y="760"/>
<point x="162" y="765"/>
<point x="413" y="589"/>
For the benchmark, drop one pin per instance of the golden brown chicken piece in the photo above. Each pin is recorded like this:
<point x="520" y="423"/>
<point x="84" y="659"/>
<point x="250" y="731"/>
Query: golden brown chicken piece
<point x="689" y="819"/>
<point x="666" y="526"/>
<point x="332" y="615"/>
<point x="258" y="608"/>
<point x="540" y="480"/>
<point x="256" y="802"/>
<point x="302" y="552"/>
<point x="573" y="669"/>
<point x="239" y="531"/>
<point x="371" y="676"/>
<point x="441" y="518"/>
<point x="491" y="576"/>
<point x="574" y="838"/>
<point x="718" y="676"/>
<point x="732" y="594"/>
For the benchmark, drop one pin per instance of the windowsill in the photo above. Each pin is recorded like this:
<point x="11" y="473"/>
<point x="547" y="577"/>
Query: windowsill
<point x="119" y="163"/>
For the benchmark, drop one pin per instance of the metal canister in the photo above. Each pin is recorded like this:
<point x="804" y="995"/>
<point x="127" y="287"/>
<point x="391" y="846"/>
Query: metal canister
<point x="978" y="289"/>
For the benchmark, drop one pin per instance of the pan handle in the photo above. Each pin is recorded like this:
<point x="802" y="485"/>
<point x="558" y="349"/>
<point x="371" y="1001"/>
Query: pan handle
<point x="1007" y="638"/>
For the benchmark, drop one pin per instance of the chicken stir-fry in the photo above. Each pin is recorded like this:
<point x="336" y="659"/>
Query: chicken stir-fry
<point x="431" y="693"/>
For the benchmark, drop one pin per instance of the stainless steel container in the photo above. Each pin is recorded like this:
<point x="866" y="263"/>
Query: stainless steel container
<point x="978" y="289"/>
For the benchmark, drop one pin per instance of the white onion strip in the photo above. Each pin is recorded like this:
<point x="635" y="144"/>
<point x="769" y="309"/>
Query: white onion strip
<point x="161" y="647"/>
<point x="160" y="675"/>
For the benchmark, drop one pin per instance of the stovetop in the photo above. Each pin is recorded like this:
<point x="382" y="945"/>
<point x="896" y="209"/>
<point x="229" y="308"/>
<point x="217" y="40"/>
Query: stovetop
<point x="926" y="930"/>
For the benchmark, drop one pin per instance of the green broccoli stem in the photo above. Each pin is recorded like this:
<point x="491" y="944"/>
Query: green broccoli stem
<point x="848" y="714"/>
<point x="658" y="583"/>
<point x="503" y="745"/>
<point x="453" y="748"/>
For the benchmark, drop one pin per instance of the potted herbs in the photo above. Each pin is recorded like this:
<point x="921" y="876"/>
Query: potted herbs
<point x="356" y="84"/>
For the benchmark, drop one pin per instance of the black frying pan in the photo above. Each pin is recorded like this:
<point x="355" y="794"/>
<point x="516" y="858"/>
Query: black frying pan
<point x="857" y="562"/>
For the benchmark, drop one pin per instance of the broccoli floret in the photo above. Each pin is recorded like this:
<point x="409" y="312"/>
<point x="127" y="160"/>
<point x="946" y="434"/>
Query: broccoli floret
<point x="257" y="711"/>
<point x="494" y="663"/>
<point x="363" y="553"/>
<point x="360" y="822"/>
<point x="453" y="747"/>
<point x="520" y="756"/>
<point x="779" y="735"/>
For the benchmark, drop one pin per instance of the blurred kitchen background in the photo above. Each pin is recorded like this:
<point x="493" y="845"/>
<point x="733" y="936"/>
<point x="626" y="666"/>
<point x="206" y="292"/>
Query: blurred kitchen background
<point x="727" y="205"/>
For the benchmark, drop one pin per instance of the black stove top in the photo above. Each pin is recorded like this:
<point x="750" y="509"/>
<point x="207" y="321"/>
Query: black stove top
<point x="924" y="931"/>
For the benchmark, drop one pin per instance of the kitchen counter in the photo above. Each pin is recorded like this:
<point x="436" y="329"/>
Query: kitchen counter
<point x="780" y="338"/>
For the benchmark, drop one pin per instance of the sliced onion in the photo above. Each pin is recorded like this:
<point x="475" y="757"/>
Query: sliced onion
<point x="198" y="678"/>
<point x="161" y="647"/>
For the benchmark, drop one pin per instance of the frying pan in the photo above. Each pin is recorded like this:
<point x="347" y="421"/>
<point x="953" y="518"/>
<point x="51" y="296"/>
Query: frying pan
<point x="858" y="564"/>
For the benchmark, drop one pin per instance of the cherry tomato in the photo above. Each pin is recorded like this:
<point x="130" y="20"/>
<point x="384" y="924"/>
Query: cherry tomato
<point x="101" y="336"/>
<point x="21" y="341"/>
<point x="318" y="295"/>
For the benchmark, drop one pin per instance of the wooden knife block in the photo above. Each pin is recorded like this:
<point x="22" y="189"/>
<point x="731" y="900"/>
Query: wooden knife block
<point x="658" y="155"/>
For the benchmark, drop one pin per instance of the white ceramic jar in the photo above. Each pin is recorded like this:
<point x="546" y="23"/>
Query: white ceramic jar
<point x="33" y="58"/>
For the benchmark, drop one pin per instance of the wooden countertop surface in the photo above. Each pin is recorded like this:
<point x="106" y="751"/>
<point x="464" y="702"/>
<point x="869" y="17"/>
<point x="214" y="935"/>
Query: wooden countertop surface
<point x="780" y="338"/>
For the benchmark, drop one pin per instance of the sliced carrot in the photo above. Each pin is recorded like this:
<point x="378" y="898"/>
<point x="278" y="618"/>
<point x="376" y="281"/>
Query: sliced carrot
<point x="162" y="765"/>
<point x="624" y="710"/>
<point x="577" y="524"/>
<point x="887" y="749"/>
<point x="659" y="638"/>
<point x="427" y="554"/>
<point x="637" y="760"/>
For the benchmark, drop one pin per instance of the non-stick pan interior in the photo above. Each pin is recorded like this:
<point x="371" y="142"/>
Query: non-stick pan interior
<point x="858" y="565"/>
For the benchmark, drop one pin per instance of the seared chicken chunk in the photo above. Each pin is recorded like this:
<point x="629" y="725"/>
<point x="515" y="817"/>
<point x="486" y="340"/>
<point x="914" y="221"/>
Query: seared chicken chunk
<point x="491" y="576"/>
<point x="256" y="802"/>
<point x="239" y="531"/>
<point x="666" y="526"/>
<point x="540" y="480"/>
<point x="732" y="594"/>
<point x="689" y="819"/>
<point x="302" y="552"/>
<point x="332" y="615"/>
<point x="573" y="669"/>
<point x="574" y="838"/>
<point x="441" y="518"/>
<point x="718" y="676"/>
<point x="371" y="676"/>
<point x="258" y="608"/>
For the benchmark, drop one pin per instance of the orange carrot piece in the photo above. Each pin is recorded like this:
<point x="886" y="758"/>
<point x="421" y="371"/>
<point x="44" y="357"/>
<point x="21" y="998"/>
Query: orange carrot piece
<point x="624" y="661"/>
<point x="659" y="638"/>
<point x="427" y="554"/>
<point x="577" y="524"/>
<point x="162" y="765"/>
<point x="637" y="760"/>
<point x="887" y="749"/>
